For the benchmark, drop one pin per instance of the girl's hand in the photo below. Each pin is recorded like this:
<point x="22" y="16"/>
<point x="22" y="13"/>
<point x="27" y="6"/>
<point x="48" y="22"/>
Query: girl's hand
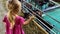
<point x="32" y="17"/>
<point x="11" y="27"/>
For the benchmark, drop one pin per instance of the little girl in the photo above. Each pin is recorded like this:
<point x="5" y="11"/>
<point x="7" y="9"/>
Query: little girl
<point x="13" y="21"/>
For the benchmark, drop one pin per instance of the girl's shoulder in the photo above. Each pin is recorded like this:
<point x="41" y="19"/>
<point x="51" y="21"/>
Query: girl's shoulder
<point x="19" y="17"/>
<point x="5" y="18"/>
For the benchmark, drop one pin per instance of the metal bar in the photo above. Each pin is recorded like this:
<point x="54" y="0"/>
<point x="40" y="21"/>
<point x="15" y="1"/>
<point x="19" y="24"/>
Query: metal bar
<point x="54" y="2"/>
<point x="52" y="26"/>
<point x="43" y="23"/>
<point x="51" y="8"/>
<point x="43" y="12"/>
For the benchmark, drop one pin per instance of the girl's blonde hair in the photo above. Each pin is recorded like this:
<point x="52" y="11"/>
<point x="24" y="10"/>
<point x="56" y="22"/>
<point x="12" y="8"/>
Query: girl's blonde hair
<point x="13" y="6"/>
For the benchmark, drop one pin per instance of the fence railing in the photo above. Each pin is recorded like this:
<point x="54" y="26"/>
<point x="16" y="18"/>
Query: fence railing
<point x="44" y="25"/>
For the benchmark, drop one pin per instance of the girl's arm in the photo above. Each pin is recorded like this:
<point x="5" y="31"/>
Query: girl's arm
<point x="28" y="21"/>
